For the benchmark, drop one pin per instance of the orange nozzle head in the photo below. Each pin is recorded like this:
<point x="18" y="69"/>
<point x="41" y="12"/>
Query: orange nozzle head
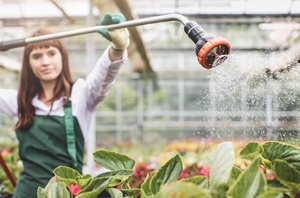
<point x="208" y="46"/>
<point x="211" y="50"/>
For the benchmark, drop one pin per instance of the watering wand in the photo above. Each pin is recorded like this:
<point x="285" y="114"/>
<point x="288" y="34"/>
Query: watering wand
<point x="208" y="47"/>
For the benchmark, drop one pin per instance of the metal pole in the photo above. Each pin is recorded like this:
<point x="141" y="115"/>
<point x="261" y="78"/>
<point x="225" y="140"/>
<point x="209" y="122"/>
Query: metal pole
<point x="6" y="45"/>
<point x="136" y="22"/>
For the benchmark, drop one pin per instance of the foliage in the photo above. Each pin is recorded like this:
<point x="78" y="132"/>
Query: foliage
<point x="281" y="160"/>
<point x="141" y="171"/>
<point x="10" y="156"/>
<point x="136" y="149"/>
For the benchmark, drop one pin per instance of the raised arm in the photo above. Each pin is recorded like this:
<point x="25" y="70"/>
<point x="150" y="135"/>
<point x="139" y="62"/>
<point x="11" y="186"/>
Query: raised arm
<point x="107" y="67"/>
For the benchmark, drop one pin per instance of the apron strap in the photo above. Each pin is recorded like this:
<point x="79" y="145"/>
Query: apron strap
<point x="69" y="122"/>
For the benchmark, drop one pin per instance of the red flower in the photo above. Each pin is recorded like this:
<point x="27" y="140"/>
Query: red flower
<point x="183" y="175"/>
<point x="204" y="171"/>
<point x="268" y="174"/>
<point x="193" y="170"/>
<point x="6" y="152"/>
<point x="119" y="187"/>
<point x="74" y="189"/>
<point x="262" y="169"/>
<point x="140" y="173"/>
<point x="136" y="172"/>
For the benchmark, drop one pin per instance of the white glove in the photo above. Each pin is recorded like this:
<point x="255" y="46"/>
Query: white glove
<point x="119" y="37"/>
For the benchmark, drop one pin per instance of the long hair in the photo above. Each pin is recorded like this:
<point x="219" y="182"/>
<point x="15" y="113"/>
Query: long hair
<point x="30" y="85"/>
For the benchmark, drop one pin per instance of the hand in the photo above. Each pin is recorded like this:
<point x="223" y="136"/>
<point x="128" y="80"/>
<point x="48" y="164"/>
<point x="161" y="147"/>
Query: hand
<point x="119" y="37"/>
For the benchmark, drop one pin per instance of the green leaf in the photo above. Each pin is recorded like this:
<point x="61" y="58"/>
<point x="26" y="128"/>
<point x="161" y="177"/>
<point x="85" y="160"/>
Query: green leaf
<point x="277" y="185"/>
<point x="143" y="194"/>
<point x="116" y="181"/>
<point x="131" y="192"/>
<point x="112" y="160"/>
<point x="271" y="194"/>
<point x="116" y="173"/>
<point x="250" y="183"/>
<point x="66" y="174"/>
<point x="166" y="174"/>
<point x="115" y="193"/>
<point x="51" y="188"/>
<point x="145" y="187"/>
<point x="235" y="172"/>
<point x="251" y="151"/>
<point x="119" y="176"/>
<point x="84" y="180"/>
<point x="183" y="189"/>
<point x="95" y="188"/>
<point x="200" y="181"/>
<point x="40" y="193"/>
<point x="221" y="163"/>
<point x="274" y="193"/>
<point x="287" y="175"/>
<point x="278" y="150"/>
<point x="54" y="179"/>
<point x="58" y="190"/>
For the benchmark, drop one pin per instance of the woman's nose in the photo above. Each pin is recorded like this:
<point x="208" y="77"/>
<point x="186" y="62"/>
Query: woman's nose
<point x="45" y="60"/>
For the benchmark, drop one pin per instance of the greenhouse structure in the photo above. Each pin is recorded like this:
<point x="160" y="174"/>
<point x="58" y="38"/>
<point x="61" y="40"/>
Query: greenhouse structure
<point x="163" y="93"/>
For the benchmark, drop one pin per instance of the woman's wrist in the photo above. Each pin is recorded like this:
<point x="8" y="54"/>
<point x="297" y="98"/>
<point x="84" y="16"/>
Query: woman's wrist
<point x="115" y="54"/>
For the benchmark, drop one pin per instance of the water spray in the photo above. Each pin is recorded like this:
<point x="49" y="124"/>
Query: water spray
<point x="288" y="67"/>
<point x="208" y="46"/>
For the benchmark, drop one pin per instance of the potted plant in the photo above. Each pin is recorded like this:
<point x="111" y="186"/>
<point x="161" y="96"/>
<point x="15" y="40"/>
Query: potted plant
<point x="273" y="171"/>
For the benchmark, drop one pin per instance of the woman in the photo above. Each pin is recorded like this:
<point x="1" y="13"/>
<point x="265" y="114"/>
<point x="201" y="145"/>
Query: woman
<point x="53" y="111"/>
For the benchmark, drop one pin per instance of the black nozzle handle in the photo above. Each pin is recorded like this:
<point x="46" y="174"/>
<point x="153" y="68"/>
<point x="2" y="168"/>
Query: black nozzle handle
<point x="194" y="31"/>
<point x="6" y="45"/>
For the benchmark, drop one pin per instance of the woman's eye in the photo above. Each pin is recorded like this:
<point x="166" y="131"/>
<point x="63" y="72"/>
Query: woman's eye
<point x="36" y="56"/>
<point x="52" y="53"/>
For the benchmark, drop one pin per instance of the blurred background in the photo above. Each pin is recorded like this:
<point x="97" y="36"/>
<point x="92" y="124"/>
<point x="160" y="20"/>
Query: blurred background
<point x="162" y="93"/>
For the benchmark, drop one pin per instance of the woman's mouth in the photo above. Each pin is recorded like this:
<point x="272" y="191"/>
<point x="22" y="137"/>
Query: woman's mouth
<point x="46" y="71"/>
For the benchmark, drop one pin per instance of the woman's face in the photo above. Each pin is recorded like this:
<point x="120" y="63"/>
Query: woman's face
<point x="46" y="63"/>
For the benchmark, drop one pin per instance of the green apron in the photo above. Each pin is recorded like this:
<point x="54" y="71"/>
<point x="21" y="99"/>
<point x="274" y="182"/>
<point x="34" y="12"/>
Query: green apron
<point x="42" y="148"/>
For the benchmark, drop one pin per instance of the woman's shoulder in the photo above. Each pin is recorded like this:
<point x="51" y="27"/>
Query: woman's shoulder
<point x="78" y="84"/>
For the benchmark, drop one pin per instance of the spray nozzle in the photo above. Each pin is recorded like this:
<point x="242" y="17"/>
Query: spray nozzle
<point x="208" y="46"/>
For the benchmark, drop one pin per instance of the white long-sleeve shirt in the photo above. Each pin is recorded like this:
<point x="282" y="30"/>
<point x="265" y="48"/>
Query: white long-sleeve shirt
<point x="85" y="96"/>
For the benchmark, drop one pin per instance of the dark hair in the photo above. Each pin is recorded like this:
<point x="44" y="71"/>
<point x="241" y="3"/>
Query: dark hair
<point x="30" y="85"/>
